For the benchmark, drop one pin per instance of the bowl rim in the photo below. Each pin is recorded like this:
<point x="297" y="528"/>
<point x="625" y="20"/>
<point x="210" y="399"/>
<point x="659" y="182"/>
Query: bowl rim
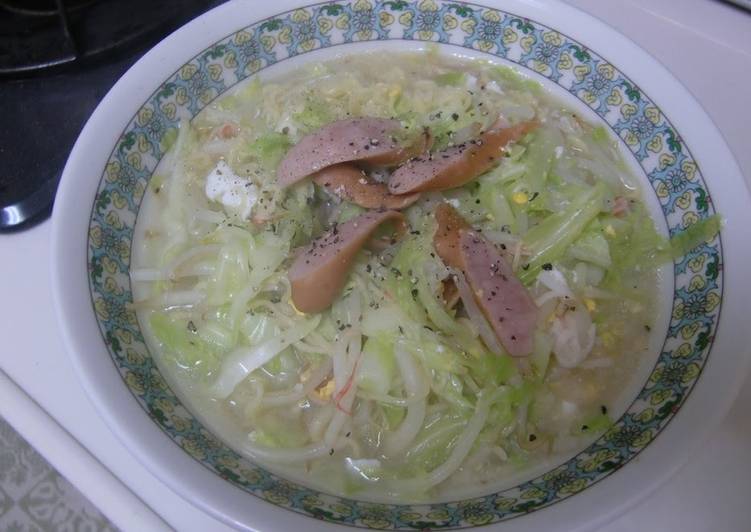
<point x="179" y="471"/>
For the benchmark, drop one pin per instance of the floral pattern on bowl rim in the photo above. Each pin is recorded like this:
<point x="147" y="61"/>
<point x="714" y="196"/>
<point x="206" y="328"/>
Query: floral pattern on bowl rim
<point x="632" y="116"/>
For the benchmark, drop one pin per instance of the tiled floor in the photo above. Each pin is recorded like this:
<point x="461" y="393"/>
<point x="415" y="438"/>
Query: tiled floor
<point x="34" y="497"/>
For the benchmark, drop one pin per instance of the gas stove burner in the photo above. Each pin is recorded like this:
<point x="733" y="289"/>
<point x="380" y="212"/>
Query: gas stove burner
<point x="57" y="60"/>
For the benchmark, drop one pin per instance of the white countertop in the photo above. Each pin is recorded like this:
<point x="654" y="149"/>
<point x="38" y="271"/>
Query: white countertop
<point x="706" y="44"/>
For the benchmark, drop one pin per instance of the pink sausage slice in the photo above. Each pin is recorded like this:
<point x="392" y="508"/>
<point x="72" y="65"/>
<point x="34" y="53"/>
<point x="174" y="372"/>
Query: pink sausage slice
<point x="369" y="140"/>
<point x="319" y="270"/>
<point x="352" y="184"/>
<point x="457" y="165"/>
<point x="504" y="301"/>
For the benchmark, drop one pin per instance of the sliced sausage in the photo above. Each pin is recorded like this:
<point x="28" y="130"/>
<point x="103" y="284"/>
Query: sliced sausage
<point x="368" y="140"/>
<point x="319" y="271"/>
<point x="457" y="165"/>
<point x="502" y="298"/>
<point x="352" y="184"/>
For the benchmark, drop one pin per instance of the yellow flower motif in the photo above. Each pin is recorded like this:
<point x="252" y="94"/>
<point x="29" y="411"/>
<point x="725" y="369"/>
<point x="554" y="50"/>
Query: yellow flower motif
<point x="325" y="25"/>
<point x="689" y="330"/>
<point x="386" y="19"/>
<point x="540" y="67"/>
<point x="276" y="497"/>
<point x="193" y="448"/>
<point x="112" y="171"/>
<point x="242" y="36"/>
<point x="144" y="115"/>
<point x="468" y="25"/>
<point x="341" y="509"/>
<point x="615" y="98"/>
<point x="565" y="62"/>
<point x="596" y="460"/>
<point x="410" y="516"/>
<point x="118" y="200"/>
<point x="606" y="70"/>
<point x="143" y="143"/>
<point x="505" y="503"/>
<point x="646" y="415"/>
<point x="362" y="5"/>
<point x="110" y="286"/>
<point x="688" y="218"/>
<point x="629" y="138"/>
<point x="230" y="60"/>
<point x="109" y="265"/>
<point x="683" y="351"/>
<point x="188" y="71"/>
<point x="552" y="37"/>
<point x="653" y="114"/>
<point x="251" y="475"/>
<point x="95" y="234"/>
<point x="285" y="36"/>
<point x="485" y="46"/>
<point x="228" y="462"/>
<point x="628" y="110"/>
<point x="134" y="382"/>
<point x="655" y="145"/>
<point x="169" y="110"/>
<point x="666" y="160"/>
<point x="527" y="43"/>
<point x="510" y="37"/>
<point x="588" y="97"/>
<point x="573" y="487"/>
<point x="101" y="309"/>
<point x="692" y="371"/>
<point x="134" y="159"/>
<point x="405" y="19"/>
<point x="267" y="42"/>
<point x="342" y="22"/>
<point x="697" y="263"/>
<point x="125" y="337"/>
<point x="439" y="515"/>
<point x="375" y="521"/>
<point x="660" y="396"/>
<point x="428" y="5"/>
<point x="215" y="71"/>
<point x="253" y="66"/>
<point x="532" y="493"/>
<point x="134" y="358"/>
<point x="300" y="15"/>
<point x="449" y="22"/>
<point x="697" y="283"/>
<point x="713" y="300"/>
<point x="581" y="72"/>
<point x="478" y="518"/>
<point x="181" y="96"/>
<point x="662" y="190"/>
<point x="113" y="220"/>
<point x="164" y="405"/>
<point x="690" y="170"/>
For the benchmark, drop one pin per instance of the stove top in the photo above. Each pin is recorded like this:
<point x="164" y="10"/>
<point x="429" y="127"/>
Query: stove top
<point x="58" y="58"/>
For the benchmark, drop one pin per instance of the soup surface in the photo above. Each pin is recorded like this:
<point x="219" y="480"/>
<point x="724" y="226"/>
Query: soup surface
<point x="401" y="277"/>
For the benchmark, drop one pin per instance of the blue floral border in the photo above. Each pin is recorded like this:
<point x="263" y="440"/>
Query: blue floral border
<point x="650" y="137"/>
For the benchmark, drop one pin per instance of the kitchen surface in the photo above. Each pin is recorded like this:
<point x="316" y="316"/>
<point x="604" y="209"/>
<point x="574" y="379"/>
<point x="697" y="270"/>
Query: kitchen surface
<point x="706" y="44"/>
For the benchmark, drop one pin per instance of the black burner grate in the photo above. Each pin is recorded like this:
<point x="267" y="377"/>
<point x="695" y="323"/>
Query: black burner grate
<point x="57" y="60"/>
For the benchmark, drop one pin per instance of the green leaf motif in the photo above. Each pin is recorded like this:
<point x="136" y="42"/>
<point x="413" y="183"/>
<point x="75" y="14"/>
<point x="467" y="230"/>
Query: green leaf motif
<point x="332" y="10"/>
<point x="397" y="5"/>
<point x="713" y="268"/>
<point x="271" y="25"/>
<point x="701" y="200"/>
<point x="703" y="339"/>
<point x="103" y="201"/>
<point x="167" y="90"/>
<point x="631" y="92"/>
<point x="128" y="141"/>
<point x="113" y="341"/>
<point x="462" y="11"/>
<point x="674" y="142"/>
<point x="523" y="25"/>
<point x="96" y="270"/>
<point x="216" y="52"/>
<point x="581" y="54"/>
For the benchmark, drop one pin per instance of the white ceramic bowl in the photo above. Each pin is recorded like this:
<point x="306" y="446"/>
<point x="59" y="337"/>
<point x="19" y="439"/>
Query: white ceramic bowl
<point x="688" y="173"/>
